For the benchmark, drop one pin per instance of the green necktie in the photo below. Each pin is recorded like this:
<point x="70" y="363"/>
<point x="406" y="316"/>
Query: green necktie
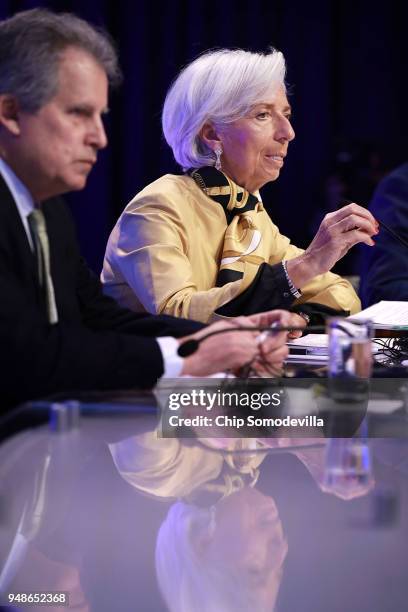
<point x="36" y="221"/>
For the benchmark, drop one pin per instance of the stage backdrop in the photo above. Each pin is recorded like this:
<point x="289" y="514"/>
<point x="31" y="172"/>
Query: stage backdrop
<point x="346" y="70"/>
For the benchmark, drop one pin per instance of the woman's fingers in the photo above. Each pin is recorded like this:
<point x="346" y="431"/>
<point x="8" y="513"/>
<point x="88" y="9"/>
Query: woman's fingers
<point x="352" y="209"/>
<point x="352" y="222"/>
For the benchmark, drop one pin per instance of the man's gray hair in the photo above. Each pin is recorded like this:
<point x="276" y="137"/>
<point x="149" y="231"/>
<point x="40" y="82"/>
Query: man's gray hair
<point x="31" y="45"/>
<point x="219" y="87"/>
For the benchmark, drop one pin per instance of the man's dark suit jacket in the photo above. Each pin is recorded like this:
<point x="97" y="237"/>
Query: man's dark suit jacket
<point x="95" y="345"/>
<point x="384" y="267"/>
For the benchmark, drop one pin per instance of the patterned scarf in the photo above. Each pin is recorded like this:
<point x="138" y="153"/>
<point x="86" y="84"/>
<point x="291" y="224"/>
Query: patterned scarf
<point x="242" y="238"/>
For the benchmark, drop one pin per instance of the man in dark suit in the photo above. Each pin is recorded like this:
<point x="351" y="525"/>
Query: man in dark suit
<point x="384" y="269"/>
<point x="58" y="332"/>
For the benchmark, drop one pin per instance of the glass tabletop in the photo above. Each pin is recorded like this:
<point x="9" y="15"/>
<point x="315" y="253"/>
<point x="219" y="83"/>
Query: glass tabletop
<point x="99" y="512"/>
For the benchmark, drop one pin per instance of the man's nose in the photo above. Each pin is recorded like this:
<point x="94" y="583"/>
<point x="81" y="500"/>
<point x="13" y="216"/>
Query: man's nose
<point x="97" y="135"/>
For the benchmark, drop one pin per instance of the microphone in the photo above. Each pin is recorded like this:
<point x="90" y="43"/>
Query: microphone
<point x="190" y="346"/>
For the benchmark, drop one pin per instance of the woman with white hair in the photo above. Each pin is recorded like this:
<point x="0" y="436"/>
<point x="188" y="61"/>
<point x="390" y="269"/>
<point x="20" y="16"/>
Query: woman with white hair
<point x="221" y="547"/>
<point x="227" y="558"/>
<point x="201" y="245"/>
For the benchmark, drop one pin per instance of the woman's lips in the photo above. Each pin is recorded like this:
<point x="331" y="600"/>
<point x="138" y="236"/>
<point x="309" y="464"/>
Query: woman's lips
<point x="275" y="159"/>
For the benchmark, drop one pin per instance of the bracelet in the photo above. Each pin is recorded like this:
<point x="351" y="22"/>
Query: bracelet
<point x="304" y="316"/>
<point x="295" y="292"/>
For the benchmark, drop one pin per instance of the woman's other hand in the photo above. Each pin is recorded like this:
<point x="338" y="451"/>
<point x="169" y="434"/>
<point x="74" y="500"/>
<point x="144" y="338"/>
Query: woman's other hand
<point x="338" y="232"/>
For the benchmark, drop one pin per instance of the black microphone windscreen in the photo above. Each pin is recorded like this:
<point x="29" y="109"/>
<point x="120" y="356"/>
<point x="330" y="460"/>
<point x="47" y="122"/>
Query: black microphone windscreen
<point x="188" y="347"/>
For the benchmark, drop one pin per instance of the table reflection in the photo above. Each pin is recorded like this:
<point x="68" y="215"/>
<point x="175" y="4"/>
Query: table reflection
<point x="221" y="545"/>
<point x="125" y="520"/>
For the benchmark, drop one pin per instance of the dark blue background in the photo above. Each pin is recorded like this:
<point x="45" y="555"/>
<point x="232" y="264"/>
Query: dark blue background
<point x="347" y="67"/>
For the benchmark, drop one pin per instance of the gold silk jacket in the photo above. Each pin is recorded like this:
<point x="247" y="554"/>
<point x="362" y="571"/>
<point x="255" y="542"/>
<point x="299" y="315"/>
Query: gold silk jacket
<point x="165" y="251"/>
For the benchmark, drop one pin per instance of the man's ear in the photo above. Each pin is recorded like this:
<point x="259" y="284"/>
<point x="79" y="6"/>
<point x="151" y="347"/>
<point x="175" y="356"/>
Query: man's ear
<point x="209" y="136"/>
<point x="9" y="114"/>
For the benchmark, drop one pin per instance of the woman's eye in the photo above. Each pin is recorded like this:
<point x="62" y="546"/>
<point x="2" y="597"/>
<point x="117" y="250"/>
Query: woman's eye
<point x="262" y="116"/>
<point x="256" y="576"/>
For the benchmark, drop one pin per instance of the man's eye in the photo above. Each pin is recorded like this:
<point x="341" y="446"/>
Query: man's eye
<point x="79" y="112"/>
<point x="262" y="116"/>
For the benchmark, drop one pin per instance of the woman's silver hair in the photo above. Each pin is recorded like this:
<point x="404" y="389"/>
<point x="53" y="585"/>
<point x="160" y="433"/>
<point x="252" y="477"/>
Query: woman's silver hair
<point x="188" y="582"/>
<point x="31" y="45"/>
<point x="219" y="87"/>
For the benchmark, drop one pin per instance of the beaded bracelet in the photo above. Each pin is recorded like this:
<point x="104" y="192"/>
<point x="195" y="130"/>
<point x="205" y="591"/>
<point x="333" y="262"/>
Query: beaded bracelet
<point x="295" y="292"/>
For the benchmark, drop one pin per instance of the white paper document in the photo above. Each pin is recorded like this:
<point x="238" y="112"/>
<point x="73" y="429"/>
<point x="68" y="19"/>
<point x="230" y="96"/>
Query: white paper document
<point x="385" y="315"/>
<point x="311" y="344"/>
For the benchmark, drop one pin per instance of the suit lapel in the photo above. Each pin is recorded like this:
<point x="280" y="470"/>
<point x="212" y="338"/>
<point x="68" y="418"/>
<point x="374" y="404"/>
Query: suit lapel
<point x="14" y="235"/>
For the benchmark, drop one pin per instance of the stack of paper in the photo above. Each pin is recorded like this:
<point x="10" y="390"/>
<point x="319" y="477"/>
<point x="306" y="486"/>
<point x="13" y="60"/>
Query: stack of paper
<point x="311" y="344"/>
<point x="313" y="348"/>
<point x="385" y="315"/>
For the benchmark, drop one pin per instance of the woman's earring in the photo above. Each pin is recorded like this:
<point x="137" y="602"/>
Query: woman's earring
<point x="218" y="153"/>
